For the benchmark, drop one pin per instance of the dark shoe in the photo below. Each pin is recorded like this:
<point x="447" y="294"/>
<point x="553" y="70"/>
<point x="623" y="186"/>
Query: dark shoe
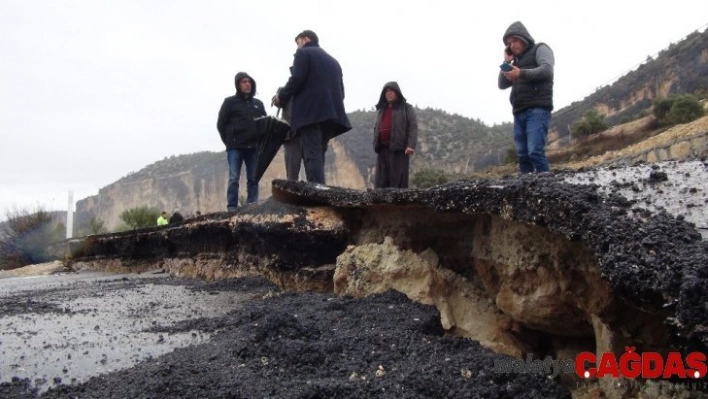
<point x="231" y="209"/>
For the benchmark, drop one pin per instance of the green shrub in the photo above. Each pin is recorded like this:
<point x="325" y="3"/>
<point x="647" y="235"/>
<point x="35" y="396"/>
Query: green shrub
<point x="677" y="109"/>
<point x="428" y="177"/>
<point x="140" y="217"/>
<point x="97" y="226"/>
<point x="685" y="109"/>
<point x="591" y="123"/>
<point x="662" y="106"/>
<point x="510" y="155"/>
<point x="25" y="237"/>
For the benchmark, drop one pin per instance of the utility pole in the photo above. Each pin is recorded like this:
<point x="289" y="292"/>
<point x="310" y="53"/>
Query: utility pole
<point x="70" y="216"/>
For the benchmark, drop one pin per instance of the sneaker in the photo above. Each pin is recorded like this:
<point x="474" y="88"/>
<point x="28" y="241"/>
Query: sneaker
<point x="231" y="209"/>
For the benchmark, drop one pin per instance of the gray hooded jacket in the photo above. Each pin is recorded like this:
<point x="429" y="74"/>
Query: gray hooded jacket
<point x="404" y="124"/>
<point x="535" y="87"/>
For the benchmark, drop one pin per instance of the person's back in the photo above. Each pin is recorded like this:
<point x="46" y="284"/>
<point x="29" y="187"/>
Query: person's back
<point x="321" y="98"/>
<point x="317" y="88"/>
<point x="176" y="217"/>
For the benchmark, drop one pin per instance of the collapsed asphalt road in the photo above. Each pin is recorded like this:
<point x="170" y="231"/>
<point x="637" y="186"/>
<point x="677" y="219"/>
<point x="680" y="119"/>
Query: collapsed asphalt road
<point x="267" y="344"/>
<point x="631" y="273"/>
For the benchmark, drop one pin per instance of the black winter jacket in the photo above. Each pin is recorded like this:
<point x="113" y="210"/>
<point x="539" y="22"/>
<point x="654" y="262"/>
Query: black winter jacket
<point x="236" y="124"/>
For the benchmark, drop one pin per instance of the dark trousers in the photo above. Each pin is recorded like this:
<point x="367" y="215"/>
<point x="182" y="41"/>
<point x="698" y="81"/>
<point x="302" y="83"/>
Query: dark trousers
<point x="314" y="144"/>
<point x="391" y="169"/>
<point x="293" y="158"/>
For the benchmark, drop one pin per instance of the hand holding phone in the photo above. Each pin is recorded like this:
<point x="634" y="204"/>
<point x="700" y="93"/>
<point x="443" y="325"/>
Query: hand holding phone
<point x="506" y="67"/>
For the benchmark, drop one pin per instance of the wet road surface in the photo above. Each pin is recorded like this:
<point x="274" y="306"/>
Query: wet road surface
<point x="68" y="328"/>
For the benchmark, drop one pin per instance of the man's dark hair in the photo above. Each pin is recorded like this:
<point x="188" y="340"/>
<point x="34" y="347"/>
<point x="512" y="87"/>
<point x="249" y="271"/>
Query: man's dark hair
<point x="308" y="34"/>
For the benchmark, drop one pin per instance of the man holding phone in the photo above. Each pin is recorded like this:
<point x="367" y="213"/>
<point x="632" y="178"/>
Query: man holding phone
<point x="528" y="70"/>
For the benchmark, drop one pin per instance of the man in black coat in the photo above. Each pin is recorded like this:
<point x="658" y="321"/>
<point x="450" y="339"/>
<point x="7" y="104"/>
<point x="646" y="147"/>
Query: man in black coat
<point x="239" y="134"/>
<point x="317" y="88"/>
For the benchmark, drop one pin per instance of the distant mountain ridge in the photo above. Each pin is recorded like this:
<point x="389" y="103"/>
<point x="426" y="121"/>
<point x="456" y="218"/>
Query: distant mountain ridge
<point x="682" y="68"/>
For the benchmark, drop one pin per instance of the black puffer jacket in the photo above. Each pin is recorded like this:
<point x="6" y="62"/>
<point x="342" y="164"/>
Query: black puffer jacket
<point x="236" y="124"/>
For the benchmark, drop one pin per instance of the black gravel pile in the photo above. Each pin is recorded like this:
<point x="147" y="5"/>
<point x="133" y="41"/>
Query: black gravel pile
<point x="286" y="345"/>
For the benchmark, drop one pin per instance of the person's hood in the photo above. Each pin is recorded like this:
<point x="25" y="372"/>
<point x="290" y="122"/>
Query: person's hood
<point x="518" y="29"/>
<point x="242" y="75"/>
<point x="382" y="98"/>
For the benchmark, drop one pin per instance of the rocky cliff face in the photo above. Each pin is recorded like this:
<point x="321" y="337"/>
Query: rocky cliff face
<point x="198" y="183"/>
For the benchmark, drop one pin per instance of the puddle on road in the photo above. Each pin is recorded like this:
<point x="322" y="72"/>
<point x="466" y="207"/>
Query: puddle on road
<point x="98" y="327"/>
<point x="679" y="188"/>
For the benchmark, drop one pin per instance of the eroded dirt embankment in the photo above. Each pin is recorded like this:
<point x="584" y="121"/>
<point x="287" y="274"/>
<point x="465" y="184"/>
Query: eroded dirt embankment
<point x="523" y="265"/>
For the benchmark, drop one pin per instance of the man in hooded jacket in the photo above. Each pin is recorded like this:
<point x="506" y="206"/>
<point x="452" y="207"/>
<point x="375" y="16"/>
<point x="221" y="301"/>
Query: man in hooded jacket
<point x="530" y="76"/>
<point x="238" y="131"/>
<point x="317" y="88"/>
<point x="395" y="137"/>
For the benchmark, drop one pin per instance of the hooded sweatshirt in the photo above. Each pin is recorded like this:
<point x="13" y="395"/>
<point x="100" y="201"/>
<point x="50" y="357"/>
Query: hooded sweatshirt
<point x="404" y="124"/>
<point x="236" y="124"/>
<point x="535" y="86"/>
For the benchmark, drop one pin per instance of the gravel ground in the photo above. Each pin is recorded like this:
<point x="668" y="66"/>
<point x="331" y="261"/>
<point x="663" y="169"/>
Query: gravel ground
<point x="285" y="345"/>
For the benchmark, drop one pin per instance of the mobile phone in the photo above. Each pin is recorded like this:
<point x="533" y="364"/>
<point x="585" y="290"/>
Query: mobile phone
<point x="506" y="67"/>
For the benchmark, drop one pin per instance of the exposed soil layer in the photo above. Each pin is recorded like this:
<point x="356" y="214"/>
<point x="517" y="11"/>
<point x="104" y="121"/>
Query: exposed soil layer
<point x="311" y="345"/>
<point x="656" y="262"/>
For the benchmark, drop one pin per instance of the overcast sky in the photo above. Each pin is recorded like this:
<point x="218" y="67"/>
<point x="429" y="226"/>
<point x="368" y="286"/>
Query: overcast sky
<point x="93" y="90"/>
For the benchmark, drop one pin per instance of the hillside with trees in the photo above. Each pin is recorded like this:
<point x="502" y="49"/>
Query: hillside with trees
<point x="447" y="142"/>
<point x="682" y="68"/>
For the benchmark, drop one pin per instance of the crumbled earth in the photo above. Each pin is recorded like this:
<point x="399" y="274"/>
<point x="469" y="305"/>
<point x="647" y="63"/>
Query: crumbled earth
<point x="286" y="345"/>
<point x="655" y="261"/>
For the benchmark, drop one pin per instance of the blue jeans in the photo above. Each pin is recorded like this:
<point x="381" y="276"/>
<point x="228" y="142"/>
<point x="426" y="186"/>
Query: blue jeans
<point x="236" y="158"/>
<point x="530" y="131"/>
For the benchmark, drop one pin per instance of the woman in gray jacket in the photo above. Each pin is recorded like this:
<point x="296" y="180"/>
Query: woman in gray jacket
<point x="395" y="137"/>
